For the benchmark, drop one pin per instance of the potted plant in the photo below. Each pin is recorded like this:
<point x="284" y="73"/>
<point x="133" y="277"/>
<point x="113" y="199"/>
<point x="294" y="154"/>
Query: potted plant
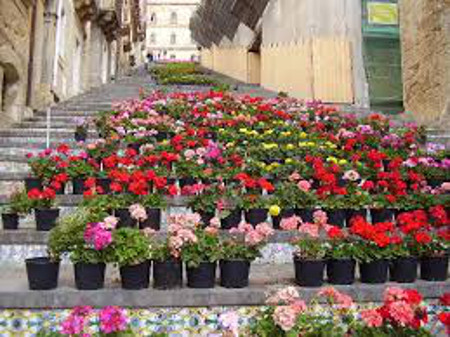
<point x="255" y="209"/>
<point x="356" y="203"/>
<point x="433" y="251"/>
<point x="404" y="262"/>
<point x="79" y="169"/>
<point x="309" y="256"/>
<point x="381" y="210"/>
<point x="373" y="249"/>
<point x="132" y="253"/>
<point x="205" y="204"/>
<point x="43" y="203"/>
<point x="200" y="253"/>
<point x="340" y="257"/>
<point x="19" y="205"/>
<point x="296" y="198"/>
<point x="239" y="250"/>
<point x="335" y="207"/>
<point x="81" y="129"/>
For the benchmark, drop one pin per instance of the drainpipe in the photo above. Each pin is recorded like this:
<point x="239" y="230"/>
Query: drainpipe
<point x="57" y="39"/>
<point x="31" y="55"/>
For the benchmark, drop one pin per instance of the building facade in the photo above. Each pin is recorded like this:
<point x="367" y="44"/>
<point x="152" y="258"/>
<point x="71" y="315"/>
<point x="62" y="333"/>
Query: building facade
<point x="168" y="35"/>
<point x="51" y="50"/>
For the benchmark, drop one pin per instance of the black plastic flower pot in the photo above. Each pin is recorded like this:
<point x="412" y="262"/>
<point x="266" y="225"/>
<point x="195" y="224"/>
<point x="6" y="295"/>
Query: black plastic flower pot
<point x="309" y="273"/>
<point x="89" y="276"/>
<point x="306" y="214"/>
<point x="32" y="183"/>
<point x="351" y="213"/>
<point x="45" y="218"/>
<point x="337" y="217"/>
<point x="167" y="274"/>
<point x="206" y="217"/>
<point x="78" y="186"/>
<point x="232" y="220"/>
<point x="153" y="219"/>
<point x="187" y="181"/>
<point x="104" y="184"/>
<point x="284" y="214"/>
<point x="404" y="270"/>
<point x="125" y="219"/>
<point x="61" y="190"/>
<point x="374" y="272"/>
<point x="135" y="146"/>
<point x="135" y="277"/>
<point x="256" y="216"/>
<point x="162" y="136"/>
<point x="234" y="273"/>
<point x="381" y="215"/>
<point x="10" y="221"/>
<point x="435" y="183"/>
<point x="341" y="271"/>
<point x="42" y="273"/>
<point x="203" y="276"/>
<point x="434" y="268"/>
<point x="80" y="136"/>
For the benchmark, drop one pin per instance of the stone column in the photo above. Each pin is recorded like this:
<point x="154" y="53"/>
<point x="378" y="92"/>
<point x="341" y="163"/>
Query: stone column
<point x="95" y="55"/>
<point x="425" y="34"/>
<point x="1" y="87"/>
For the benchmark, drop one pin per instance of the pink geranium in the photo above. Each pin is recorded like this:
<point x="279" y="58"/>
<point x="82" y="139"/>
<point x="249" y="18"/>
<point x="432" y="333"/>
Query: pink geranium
<point x="290" y="224"/>
<point x="113" y="319"/>
<point x="372" y="318"/>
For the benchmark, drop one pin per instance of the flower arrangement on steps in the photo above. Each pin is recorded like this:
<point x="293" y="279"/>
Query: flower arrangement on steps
<point x="334" y="313"/>
<point x="85" y="321"/>
<point x="92" y="239"/>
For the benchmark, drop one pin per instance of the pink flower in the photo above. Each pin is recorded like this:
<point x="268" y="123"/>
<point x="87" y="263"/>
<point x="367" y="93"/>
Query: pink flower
<point x="265" y="229"/>
<point x="110" y="222"/>
<point x="401" y="312"/>
<point x="285" y="317"/>
<point x="138" y="212"/>
<point x="112" y="319"/>
<point x="341" y="300"/>
<point x="286" y="295"/>
<point x="215" y="222"/>
<point x="211" y="230"/>
<point x="372" y="318"/>
<point x="320" y="218"/>
<point x="304" y="185"/>
<point x="253" y="238"/>
<point x="310" y="229"/>
<point x="351" y="175"/>
<point x="299" y="306"/>
<point x="97" y="236"/>
<point x="291" y="223"/>
<point x="230" y="321"/>
<point x="445" y="187"/>
<point x="294" y="177"/>
<point x="394" y="294"/>
<point x="73" y="325"/>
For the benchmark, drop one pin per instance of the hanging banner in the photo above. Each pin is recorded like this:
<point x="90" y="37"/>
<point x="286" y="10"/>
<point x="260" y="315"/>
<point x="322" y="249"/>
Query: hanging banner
<point x="382" y="13"/>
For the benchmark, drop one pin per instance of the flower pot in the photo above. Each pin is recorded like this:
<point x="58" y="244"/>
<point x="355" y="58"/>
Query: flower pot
<point x="351" y="213"/>
<point x="404" y="270"/>
<point x="42" y="273"/>
<point x="306" y="214"/>
<point x="161" y="135"/>
<point x="309" y="273"/>
<point x="381" y="215"/>
<point x="435" y="183"/>
<point x="206" y="217"/>
<point x="125" y="219"/>
<point x="336" y="217"/>
<point x="167" y="274"/>
<point x="234" y="273"/>
<point x="135" y="277"/>
<point x="78" y="186"/>
<point x="284" y="214"/>
<point x="341" y="271"/>
<point x="104" y="184"/>
<point x="45" y="218"/>
<point x="80" y="136"/>
<point x="256" y="216"/>
<point x="135" y="146"/>
<point x="434" y="268"/>
<point x="10" y="221"/>
<point x="232" y="220"/>
<point x="375" y="272"/>
<point x="32" y="183"/>
<point x="187" y="181"/>
<point x="89" y="276"/>
<point x="153" y="219"/>
<point x="203" y="276"/>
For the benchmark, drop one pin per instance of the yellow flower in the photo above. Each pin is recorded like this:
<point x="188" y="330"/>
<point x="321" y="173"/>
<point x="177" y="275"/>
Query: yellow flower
<point x="253" y="132"/>
<point x="311" y="144"/>
<point x="274" y="210"/>
<point x="289" y="160"/>
<point x="303" y="135"/>
<point x="165" y="142"/>
<point x="332" y="160"/>
<point x="342" y="161"/>
<point x="268" y="132"/>
<point x="243" y="130"/>
<point x="286" y="133"/>
<point x="290" y="146"/>
<point x="221" y="130"/>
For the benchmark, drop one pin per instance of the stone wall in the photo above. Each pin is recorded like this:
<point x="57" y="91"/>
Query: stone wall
<point x="425" y="27"/>
<point x="15" y="18"/>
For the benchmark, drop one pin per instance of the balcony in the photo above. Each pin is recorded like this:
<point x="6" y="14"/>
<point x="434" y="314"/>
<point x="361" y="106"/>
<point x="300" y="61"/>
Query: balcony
<point x="85" y="9"/>
<point x="108" y="18"/>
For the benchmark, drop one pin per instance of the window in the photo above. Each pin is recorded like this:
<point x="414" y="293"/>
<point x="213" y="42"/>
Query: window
<point x="153" y="38"/>
<point x="173" y="38"/>
<point x="173" y="18"/>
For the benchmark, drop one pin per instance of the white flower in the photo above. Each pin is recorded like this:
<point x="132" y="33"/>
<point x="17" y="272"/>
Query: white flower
<point x="138" y="212"/>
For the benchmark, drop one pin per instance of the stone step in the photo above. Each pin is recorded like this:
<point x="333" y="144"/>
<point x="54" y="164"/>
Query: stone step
<point x="42" y="132"/>
<point x="38" y="142"/>
<point x="264" y="279"/>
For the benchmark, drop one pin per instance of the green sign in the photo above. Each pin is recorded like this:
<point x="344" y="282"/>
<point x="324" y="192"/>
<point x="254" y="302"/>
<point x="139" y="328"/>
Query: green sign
<point x="382" y="13"/>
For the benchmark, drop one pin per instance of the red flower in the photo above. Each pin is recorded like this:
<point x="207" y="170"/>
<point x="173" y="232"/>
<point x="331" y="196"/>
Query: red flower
<point x="335" y="233"/>
<point x="414" y="297"/>
<point x="266" y="185"/>
<point x="116" y="187"/>
<point x="445" y="299"/>
<point x="63" y="148"/>
<point x="173" y="190"/>
<point x="444" y="318"/>
<point x="34" y="194"/>
<point x="422" y="238"/>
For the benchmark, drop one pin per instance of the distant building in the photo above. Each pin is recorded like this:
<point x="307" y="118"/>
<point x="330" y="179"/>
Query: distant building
<point x="168" y="35"/>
